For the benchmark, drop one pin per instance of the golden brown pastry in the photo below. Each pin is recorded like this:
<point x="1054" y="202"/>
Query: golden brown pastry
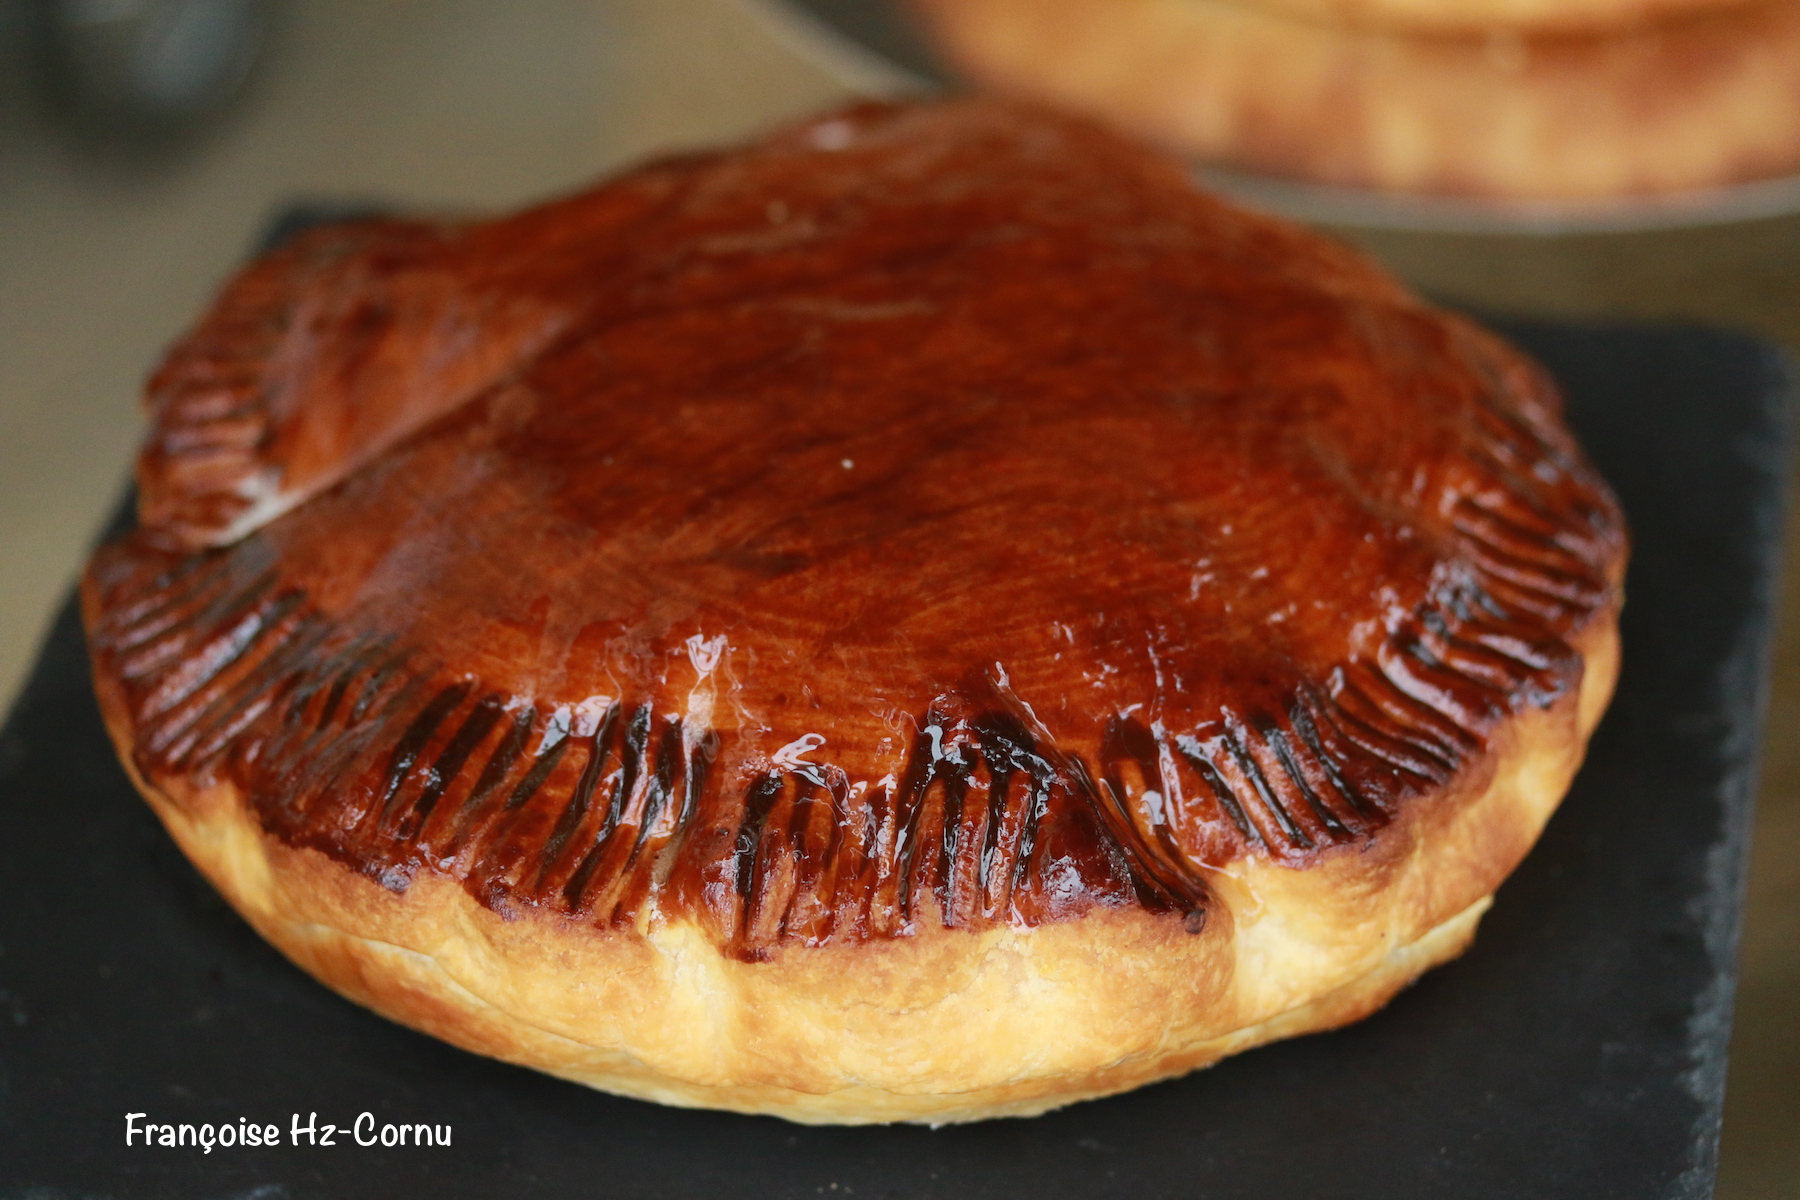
<point x="923" y="618"/>
<point x="1482" y="17"/>
<point x="1675" y="105"/>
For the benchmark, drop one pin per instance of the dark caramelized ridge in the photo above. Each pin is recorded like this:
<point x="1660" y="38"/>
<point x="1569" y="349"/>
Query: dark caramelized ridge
<point x="935" y="514"/>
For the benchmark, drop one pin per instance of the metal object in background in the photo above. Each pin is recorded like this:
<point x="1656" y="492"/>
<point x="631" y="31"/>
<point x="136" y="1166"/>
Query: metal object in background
<point x="137" y="67"/>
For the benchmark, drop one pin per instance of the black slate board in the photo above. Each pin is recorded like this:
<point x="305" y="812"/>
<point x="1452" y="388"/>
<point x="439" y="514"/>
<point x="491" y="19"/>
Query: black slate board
<point x="1577" y="1051"/>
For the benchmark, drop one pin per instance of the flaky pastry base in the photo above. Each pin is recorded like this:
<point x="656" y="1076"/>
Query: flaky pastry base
<point x="943" y="1026"/>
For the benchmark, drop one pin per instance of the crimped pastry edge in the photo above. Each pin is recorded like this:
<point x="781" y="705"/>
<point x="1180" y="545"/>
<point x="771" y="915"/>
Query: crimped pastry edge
<point x="941" y="1027"/>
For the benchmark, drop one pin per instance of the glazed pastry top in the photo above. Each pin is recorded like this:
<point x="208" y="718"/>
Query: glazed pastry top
<point x="934" y="513"/>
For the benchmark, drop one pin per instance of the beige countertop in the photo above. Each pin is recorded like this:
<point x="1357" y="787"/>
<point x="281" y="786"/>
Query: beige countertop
<point x="452" y="104"/>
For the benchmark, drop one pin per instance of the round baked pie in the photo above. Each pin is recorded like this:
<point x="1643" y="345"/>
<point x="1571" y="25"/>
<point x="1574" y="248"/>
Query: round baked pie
<point x="1687" y="102"/>
<point x="922" y="618"/>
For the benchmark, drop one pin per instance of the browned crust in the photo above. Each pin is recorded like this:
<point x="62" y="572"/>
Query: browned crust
<point x="947" y="1025"/>
<point x="1700" y="102"/>
<point x="386" y="700"/>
